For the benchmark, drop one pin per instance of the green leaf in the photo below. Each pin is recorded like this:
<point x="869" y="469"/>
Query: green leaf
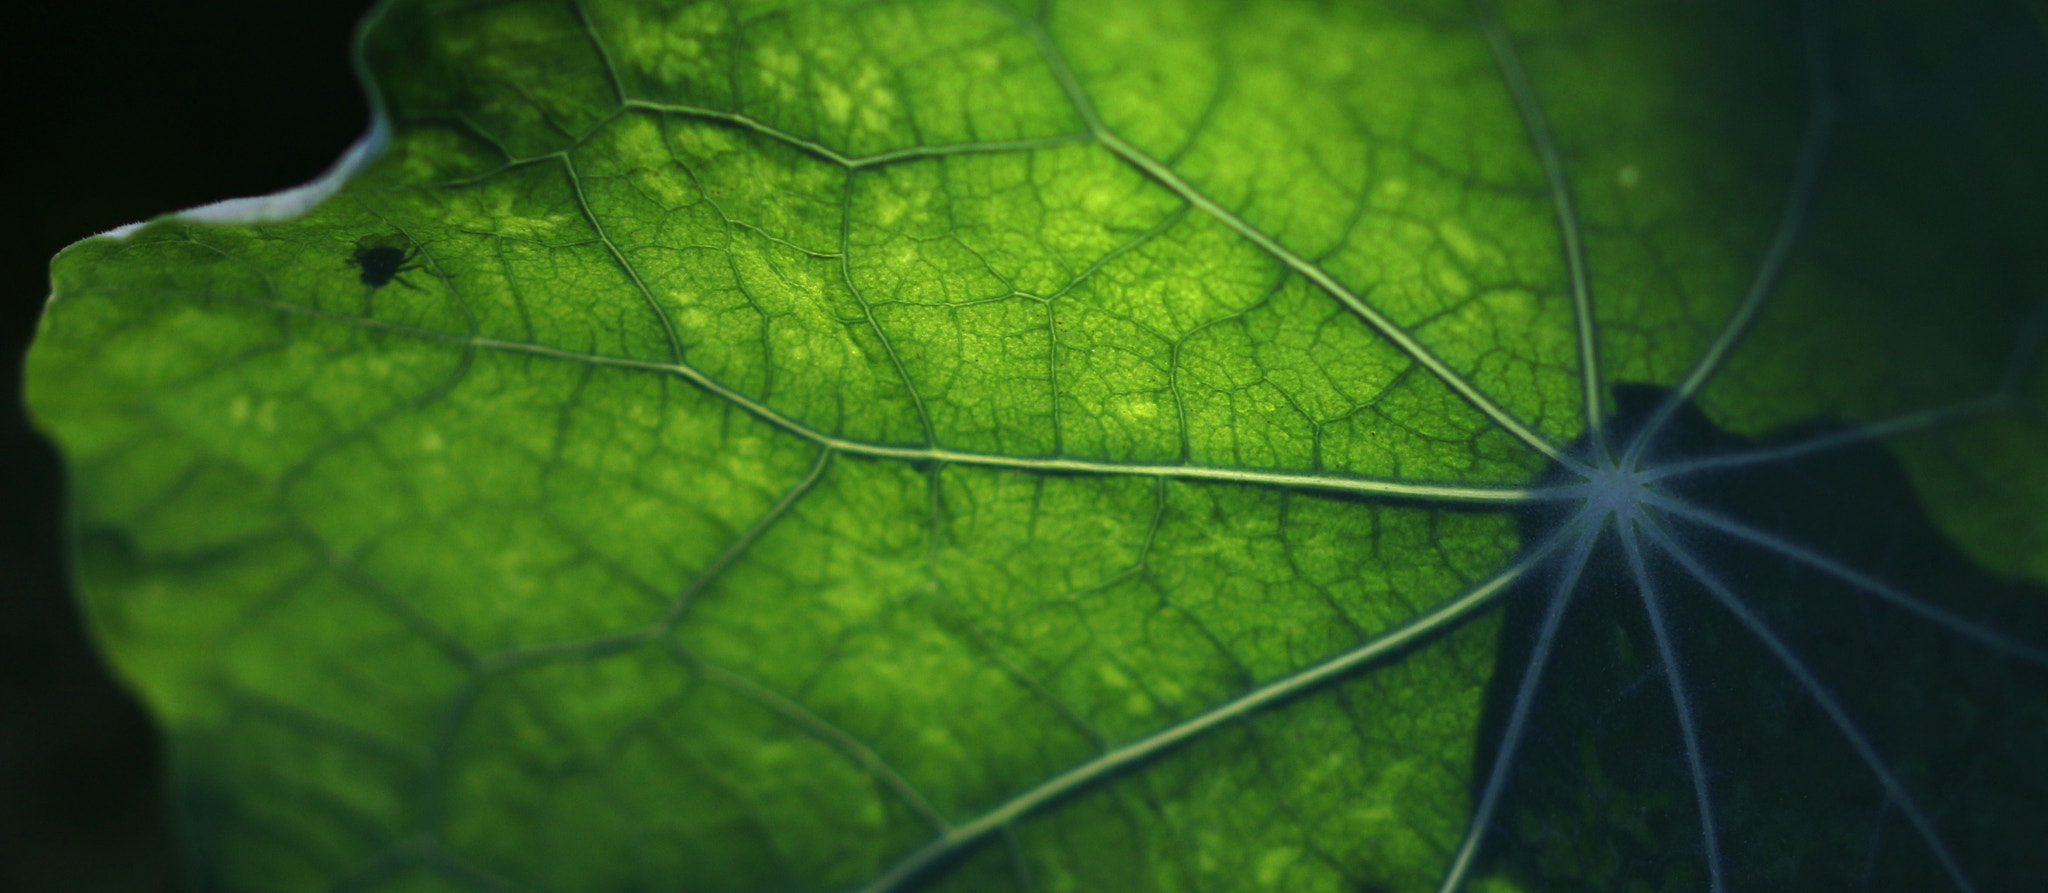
<point x="983" y="446"/>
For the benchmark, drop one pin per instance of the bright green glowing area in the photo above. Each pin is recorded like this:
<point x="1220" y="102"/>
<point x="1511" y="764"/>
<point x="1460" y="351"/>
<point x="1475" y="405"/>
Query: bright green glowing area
<point x="962" y="446"/>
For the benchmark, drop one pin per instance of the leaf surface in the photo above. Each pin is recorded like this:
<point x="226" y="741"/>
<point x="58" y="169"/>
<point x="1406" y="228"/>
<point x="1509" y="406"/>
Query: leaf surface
<point x="965" y="446"/>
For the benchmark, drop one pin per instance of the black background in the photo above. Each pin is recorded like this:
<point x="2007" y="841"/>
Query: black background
<point x="117" y="113"/>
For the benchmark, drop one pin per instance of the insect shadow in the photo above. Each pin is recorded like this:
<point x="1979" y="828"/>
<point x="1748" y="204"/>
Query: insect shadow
<point x="386" y="258"/>
<point x="1601" y="796"/>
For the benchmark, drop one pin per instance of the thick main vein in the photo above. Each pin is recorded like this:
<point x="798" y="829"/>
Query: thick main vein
<point x="1376" y="487"/>
<point x="1365" y="486"/>
<point x="1309" y="270"/>
<point x="1440" y="618"/>
<point x="1545" y="142"/>
<point x="1820" y="120"/>
<point x="1166" y="176"/>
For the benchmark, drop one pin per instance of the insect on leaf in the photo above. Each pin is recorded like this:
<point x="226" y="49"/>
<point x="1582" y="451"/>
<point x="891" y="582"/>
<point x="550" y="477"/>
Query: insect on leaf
<point x="384" y="259"/>
<point x="1122" y="445"/>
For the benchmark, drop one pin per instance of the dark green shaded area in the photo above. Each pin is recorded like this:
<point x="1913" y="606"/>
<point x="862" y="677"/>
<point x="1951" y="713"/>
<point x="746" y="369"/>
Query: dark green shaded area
<point x="1603" y="798"/>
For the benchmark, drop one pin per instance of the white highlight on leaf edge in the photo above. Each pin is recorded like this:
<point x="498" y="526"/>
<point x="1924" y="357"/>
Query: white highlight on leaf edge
<point x="290" y="203"/>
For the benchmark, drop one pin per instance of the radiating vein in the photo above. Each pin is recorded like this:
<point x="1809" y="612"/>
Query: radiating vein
<point x="1681" y="700"/>
<point x="1302" y="266"/>
<point x="1820" y="117"/>
<point x="1545" y="142"/>
<point x="1336" y="483"/>
<point x="1953" y="622"/>
<point x="1898" y="426"/>
<point x="1894" y="789"/>
<point x="1444" y="616"/>
<point x="1457" y="493"/>
<point x="1583" y="532"/>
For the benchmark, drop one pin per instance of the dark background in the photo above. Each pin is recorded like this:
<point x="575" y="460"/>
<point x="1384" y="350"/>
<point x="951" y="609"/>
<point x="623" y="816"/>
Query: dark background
<point x="117" y="113"/>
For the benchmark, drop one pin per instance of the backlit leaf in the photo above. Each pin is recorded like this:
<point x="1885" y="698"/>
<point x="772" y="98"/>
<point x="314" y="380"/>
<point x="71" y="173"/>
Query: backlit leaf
<point x="1088" y="446"/>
